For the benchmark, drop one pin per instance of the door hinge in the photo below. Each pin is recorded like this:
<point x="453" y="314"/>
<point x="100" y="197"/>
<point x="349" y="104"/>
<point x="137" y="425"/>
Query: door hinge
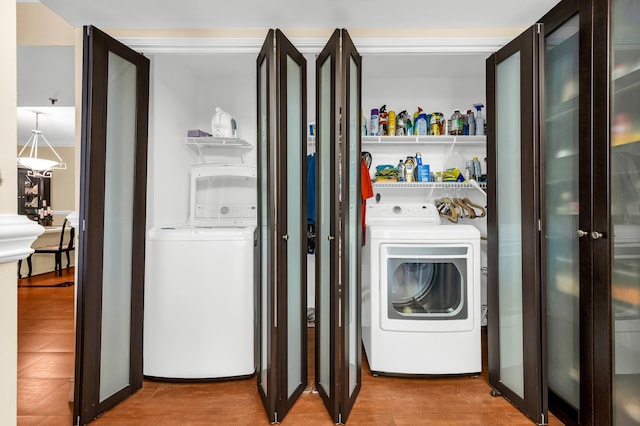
<point x="84" y="225"/>
<point x="542" y="420"/>
<point x="539" y="224"/>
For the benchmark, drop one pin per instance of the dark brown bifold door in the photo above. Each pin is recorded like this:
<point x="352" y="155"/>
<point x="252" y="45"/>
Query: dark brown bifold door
<point x="113" y="170"/>
<point x="282" y="272"/>
<point x="338" y="225"/>
<point x="615" y="231"/>
<point x="516" y="325"/>
<point x="563" y="170"/>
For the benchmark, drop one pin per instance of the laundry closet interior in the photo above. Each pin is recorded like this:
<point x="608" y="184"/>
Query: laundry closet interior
<point x="186" y="89"/>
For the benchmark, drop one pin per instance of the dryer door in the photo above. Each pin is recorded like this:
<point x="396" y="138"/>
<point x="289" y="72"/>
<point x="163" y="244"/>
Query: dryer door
<point x="427" y="287"/>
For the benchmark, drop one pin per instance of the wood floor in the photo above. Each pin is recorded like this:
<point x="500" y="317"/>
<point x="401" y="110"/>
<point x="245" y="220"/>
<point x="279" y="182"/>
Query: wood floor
<point x="46" y="364"/>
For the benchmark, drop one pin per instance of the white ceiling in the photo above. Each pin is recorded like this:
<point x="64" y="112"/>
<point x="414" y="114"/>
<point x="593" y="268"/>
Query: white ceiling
<point x="56" y="123"/>
<point x="350" y="14"/>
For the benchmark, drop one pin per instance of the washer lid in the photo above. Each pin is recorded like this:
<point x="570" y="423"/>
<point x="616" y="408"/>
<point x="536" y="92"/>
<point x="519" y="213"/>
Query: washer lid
<point x="190" y="233"/>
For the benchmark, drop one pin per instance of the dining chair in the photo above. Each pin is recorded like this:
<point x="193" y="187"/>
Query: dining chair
<point x="57" y="250"/>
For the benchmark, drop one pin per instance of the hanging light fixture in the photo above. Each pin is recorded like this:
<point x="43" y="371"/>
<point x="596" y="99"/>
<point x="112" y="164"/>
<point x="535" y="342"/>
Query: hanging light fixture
<point x="39" y="167"/>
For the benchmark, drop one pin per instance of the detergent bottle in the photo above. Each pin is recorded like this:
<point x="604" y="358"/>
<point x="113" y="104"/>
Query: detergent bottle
<point x="409" y="169"/>
<point x="415" y="121"/>
<point x="223" y="125"/>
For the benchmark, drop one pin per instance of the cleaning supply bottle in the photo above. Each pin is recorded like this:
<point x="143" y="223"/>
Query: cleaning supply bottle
<point x="373" y="124"/>
<point x="401" y="171"/>
<point x="415" y="121"/>
<point x="409" y="169"/>
<point x="391" y="125"/>
<point x="435" y="124"/>
<point x="477" y="170"/>
<point x="479" y="120"/>
<point x="382" y="119"/>
<point x="456" y="123"/>
<point x="363" y="123"/>
<point x="472" y="122"/>
<point x="421" y="124"/>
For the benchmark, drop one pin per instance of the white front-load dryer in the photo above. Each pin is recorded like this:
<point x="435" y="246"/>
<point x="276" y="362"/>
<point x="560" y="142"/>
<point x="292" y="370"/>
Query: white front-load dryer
<point x="420" y="293"/>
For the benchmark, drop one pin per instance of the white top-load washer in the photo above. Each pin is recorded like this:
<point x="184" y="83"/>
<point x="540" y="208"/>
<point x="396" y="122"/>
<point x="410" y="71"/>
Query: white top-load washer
<point x="199" y="283"/>
<point x="420" y="292"/>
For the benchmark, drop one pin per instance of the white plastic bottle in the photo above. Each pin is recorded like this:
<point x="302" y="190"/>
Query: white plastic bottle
<point x="401" y="172"/>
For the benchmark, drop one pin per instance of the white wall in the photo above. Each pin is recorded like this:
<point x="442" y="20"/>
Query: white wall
<point x="186" y="89"/>
<point x="8" y="193"/>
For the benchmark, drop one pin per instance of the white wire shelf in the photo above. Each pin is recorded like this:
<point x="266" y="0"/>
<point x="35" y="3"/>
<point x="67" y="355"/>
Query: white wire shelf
<point x="214" y="142"/>
<point x="428" y="139"/>
<point x="435" y="185"/>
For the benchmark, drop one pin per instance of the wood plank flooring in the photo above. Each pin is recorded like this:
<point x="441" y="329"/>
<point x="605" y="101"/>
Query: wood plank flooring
<point x="46" y="363"/>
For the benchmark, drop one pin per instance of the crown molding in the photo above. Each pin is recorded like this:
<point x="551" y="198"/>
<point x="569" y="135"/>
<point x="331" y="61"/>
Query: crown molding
<point x="17" y="233"/>
<point x="365" y="45"/>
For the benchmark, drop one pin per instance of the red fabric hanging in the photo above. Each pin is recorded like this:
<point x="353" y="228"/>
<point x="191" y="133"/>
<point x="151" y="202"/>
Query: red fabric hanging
<point x="367" y="192"/>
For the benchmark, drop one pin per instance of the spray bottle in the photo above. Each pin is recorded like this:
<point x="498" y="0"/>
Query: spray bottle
<point x="382" y="121"/>
<point x="479" y="120"/>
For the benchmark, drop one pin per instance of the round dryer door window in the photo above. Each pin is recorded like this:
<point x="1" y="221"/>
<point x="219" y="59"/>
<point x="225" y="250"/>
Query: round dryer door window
<point x="429" y="289"/>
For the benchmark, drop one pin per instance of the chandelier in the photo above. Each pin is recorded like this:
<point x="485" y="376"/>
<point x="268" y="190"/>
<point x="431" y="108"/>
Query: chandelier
<point x="38" y="166"/>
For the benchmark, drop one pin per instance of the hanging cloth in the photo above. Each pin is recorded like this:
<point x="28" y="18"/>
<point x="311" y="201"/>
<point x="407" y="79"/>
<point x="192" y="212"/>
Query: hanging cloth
<point x="367" y="192"/>
<point x="311" y="204"/>
<point x="311" y="189"/>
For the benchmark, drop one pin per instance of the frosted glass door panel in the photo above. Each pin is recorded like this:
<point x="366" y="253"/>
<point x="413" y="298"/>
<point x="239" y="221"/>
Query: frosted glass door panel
<point x="323" y="229"/>
<point x="352" y="226"/>
<point x="625" y="210"/>
<point x="118" y="226"/>
<point x="561" y="201"/>
<point x="264" y="231"/>
<point x="294" y="225"/>
<point x="509" y="223"/>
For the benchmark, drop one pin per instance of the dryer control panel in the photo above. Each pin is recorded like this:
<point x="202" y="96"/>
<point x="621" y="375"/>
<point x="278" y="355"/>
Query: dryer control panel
<point x="422" y="213"/>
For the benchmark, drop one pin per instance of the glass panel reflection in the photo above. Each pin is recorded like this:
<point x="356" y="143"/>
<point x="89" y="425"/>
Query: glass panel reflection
<point x="118" y="226"/>
<point x="264" y="227"/>
<point x="294" y="225"/>
<point x="323" y="166"/>
<point x="625" y="209"/>
<point x="509" y="223"/>
<point x="561" y="192"/>
<point x="354" y="206"/>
